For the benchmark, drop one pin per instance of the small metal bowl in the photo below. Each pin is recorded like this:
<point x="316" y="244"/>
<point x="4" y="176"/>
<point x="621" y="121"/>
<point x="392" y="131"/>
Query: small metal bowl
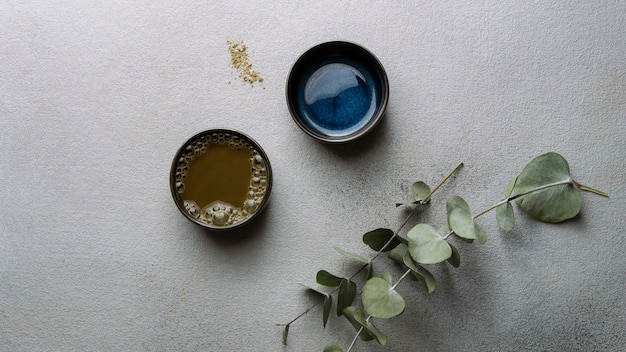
<point x="337" y="92"/>
<point x="221" y="179"/>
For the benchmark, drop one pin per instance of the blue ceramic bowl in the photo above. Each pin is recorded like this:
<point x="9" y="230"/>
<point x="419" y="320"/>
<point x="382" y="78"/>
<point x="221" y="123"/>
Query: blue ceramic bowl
<point x="337" y="92"/>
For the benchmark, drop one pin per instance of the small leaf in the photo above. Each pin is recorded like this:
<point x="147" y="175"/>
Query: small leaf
<point x="346" y="295"/>
<point x="313" y="289"/>
<point x="380" y="300"/>
<point x="420" y="191"/>
<point x="553" y="204"/>
<point x="508" y="190"/>
<point x="377" y="239"/>
<point x="328" y="304"/>
<point x="462" y="223"/>
<point x="332" y="347"/>
<point x="426" y="246"/>
<point x="325" y="278"/>
<point x="356" y="317"/>
<point x="352" y="256"/>
<point x="455" y="258"/>
<point x="397" y="253"/>
<point x="285" y="334"/>
<point x="505" y="217"/>
<point x="455" y="202"/>
<point x="372" y="330"/>
<point x="421" y="274"/>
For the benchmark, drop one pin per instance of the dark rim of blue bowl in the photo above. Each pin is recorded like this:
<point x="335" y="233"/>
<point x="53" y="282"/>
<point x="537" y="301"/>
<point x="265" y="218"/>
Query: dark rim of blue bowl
<point x="325" y="51"/>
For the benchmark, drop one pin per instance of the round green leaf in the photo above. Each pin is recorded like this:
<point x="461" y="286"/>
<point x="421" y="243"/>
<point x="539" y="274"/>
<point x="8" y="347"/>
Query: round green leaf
<point x="377" y="239"/>
<point x="426" y="245"/>
<point x="505" y="216"/>
<point x="553" y="204"/>
<point x="380" y="300"/>
<point x="420" y="190"/>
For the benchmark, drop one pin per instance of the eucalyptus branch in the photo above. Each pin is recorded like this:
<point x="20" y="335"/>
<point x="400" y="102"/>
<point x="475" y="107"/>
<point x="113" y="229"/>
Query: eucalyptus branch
<point x="426" y="245"/>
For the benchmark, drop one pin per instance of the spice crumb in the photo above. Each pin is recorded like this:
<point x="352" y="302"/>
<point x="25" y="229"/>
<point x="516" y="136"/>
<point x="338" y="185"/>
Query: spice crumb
<point x="240" y="62"/>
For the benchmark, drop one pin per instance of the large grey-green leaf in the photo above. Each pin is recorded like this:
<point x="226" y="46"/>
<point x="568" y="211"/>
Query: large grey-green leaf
<point x="380" y="300"/>
<point x="560" y="201"/>
<point x="426" y="245"/>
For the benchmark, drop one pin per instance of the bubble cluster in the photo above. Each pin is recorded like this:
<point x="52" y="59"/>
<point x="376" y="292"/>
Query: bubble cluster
<point x="220" y="213"/>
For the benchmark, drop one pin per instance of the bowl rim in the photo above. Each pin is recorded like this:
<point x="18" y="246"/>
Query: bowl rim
<point x="346" y="47"/>
<point x="178" y="201"/>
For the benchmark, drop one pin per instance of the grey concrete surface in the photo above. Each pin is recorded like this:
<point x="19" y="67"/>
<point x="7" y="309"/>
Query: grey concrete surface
<point x="95" y="98"/>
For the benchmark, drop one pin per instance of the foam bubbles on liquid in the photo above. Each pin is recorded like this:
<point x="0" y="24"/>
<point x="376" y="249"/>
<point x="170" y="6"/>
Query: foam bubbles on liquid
<point x="219" y="213"/>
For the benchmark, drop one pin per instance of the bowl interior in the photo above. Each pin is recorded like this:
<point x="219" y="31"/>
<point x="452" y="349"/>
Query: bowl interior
<point x="337" y="91"/>
<point x="220" y="179"/>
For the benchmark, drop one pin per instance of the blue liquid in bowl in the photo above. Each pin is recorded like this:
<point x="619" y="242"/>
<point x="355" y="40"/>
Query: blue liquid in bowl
<point x="337" y="97"/>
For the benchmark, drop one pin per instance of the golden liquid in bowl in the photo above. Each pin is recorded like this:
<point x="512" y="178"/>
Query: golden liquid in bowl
<point x="220" y="179"/>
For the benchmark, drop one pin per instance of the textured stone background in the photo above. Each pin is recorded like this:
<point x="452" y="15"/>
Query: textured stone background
<point x="95" y="98"/>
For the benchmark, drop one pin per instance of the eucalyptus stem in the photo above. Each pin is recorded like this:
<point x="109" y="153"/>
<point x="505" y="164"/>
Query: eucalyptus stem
<point x="400" y="279"/>
<point x="510" y="198"/>
<point x="590" y="189"/>
<point x="427" y="198"/>
<point x="356" y="337"/>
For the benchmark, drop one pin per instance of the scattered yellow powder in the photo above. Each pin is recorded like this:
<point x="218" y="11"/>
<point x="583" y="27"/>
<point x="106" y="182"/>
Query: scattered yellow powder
<point x="239" y="61"/>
